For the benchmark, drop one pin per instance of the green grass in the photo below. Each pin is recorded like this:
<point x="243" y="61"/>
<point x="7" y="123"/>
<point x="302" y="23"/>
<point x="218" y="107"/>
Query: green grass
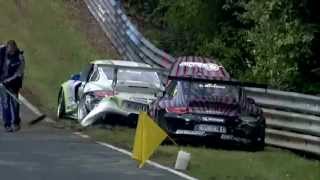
<point x="211" y="164"/>
<point x="55" y="49"/>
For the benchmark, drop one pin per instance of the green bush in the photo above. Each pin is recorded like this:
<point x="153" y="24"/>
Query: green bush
<point x="280" y="40"/>
<point x="267" y="41"/>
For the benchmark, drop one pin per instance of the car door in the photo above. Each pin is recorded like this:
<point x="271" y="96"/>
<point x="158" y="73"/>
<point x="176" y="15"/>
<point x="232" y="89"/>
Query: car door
<point x="84" y="78"/>
<point x="92" y="82"/>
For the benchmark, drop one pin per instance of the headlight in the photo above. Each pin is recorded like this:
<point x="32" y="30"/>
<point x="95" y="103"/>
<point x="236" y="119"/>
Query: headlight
<point x="91" y="101"/>
<point x="187" y="119"/>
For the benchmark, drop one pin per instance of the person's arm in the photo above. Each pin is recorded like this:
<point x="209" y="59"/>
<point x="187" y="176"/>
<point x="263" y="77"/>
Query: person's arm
<point x="2" y="58"/>
<point x="19" y="72"/>
<point x="2" y="51"/>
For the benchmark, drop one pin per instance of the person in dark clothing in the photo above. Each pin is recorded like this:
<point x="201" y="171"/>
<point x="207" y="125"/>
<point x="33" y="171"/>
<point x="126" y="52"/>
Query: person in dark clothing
<point x="11" y="75"/>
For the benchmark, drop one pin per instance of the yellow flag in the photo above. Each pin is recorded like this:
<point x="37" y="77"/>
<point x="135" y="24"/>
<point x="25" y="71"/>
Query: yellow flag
<point x="148" y="137"/>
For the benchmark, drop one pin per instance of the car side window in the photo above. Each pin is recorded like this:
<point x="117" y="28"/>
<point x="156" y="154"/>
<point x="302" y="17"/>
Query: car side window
<point x="108" y="71"/>
<point x="94" y="76"/>
<point x="84" y="75"/>
<point x="172" y="89"/>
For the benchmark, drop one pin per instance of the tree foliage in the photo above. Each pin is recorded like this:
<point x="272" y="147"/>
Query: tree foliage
<point x="268" y="41"/>
<point x="280" y="41"/>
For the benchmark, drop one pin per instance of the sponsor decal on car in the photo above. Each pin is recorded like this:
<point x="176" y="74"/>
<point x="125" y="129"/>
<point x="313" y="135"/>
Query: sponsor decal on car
<point x="135" y="106"/>
<point x="190" y="132"/>
<point x="208" y="111"/>
<point x="210" y="128"/>
<point x="142" y="100"/>
<point x="233" y="138"/>
<point x="210" y="85"/>
<point x="212" y="119"/>
<point x="206" y="66"/>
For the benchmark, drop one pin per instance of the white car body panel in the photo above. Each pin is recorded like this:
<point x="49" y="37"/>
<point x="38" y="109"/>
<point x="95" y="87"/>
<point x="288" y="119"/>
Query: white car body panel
<point x="129" y="91"/>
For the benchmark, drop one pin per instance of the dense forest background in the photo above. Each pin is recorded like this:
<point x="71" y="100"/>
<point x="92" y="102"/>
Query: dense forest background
<point x="266" y="41"/>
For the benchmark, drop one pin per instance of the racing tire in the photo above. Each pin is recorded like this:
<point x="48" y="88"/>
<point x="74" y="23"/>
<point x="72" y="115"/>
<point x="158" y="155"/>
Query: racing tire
<point x="82" y="111"/>
<point x="258" y="143"/>
<point x="61" y="109"/>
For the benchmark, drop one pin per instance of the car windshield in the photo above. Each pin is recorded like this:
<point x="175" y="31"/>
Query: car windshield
<point x="133" y="75"/>
<point x="108" y="71"/>
<point x="200" y="89"/>
<point x="138" y="75"/>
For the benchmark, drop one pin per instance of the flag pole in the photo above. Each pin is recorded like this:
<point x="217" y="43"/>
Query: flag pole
<point x="174" y="142"/>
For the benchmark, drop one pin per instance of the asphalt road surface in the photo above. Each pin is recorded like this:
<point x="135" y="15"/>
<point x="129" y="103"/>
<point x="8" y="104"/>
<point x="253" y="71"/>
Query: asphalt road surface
<point x="45" y="153"/>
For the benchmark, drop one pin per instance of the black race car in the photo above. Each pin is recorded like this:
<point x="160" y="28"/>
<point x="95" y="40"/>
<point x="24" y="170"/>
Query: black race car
<point x="201" y="101"/>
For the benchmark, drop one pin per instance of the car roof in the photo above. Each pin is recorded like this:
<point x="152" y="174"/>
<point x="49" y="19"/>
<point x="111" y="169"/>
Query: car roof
<point x="119" y="63"/>
<point x="194" y="67"/>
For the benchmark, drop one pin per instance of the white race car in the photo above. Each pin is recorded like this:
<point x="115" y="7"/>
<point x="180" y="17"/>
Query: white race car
<point x="109" y="87"/>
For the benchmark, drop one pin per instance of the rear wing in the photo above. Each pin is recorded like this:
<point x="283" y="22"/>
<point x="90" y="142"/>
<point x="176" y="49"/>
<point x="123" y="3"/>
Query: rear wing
<point x="233" y="83"/>
<point x="150" y="69"/>
<point x="160" y="71"/>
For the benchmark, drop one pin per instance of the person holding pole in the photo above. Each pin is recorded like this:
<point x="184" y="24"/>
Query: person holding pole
<point x="11" y="75"/>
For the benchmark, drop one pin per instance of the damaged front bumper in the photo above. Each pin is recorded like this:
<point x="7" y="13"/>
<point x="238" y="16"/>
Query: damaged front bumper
<point x="113" y="106"/>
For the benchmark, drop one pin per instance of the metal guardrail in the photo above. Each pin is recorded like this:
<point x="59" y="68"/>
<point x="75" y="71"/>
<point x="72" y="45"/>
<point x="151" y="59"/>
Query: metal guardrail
<point x="288" y="101"/>
<point x="302" y="123"/>
<point x="293" y="119"/>
<point x="291" y="140"/>
<point x="124" y="36"/>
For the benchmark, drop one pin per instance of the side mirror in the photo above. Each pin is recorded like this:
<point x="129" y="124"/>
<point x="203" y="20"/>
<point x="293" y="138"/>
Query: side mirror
<point x="75" y="77"/>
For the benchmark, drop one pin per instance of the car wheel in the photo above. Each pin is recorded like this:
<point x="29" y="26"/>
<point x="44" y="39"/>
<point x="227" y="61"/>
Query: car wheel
<point x="61" y="105"/>
<point x="258" y="143"/>
<point x="82" y="109"/>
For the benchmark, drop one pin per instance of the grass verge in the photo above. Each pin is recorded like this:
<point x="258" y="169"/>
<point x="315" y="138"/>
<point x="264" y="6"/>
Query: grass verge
<point x="55" y="48"/>
<point x="217" y="164"/>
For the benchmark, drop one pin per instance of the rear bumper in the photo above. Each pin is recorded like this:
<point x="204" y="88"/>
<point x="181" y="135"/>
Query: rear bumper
<point x="210" y="137"/>
<point x="228" y="129"/>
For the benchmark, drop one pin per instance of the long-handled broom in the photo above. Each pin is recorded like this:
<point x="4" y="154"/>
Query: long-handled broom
<point x="33" y="121"/>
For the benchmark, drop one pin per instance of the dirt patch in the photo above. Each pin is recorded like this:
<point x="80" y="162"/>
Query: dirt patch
<point x="87" y="24"/>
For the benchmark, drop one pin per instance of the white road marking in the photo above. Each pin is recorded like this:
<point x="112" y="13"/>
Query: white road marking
<point x="157" y="165"/>
<point x="123" y="151"/>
